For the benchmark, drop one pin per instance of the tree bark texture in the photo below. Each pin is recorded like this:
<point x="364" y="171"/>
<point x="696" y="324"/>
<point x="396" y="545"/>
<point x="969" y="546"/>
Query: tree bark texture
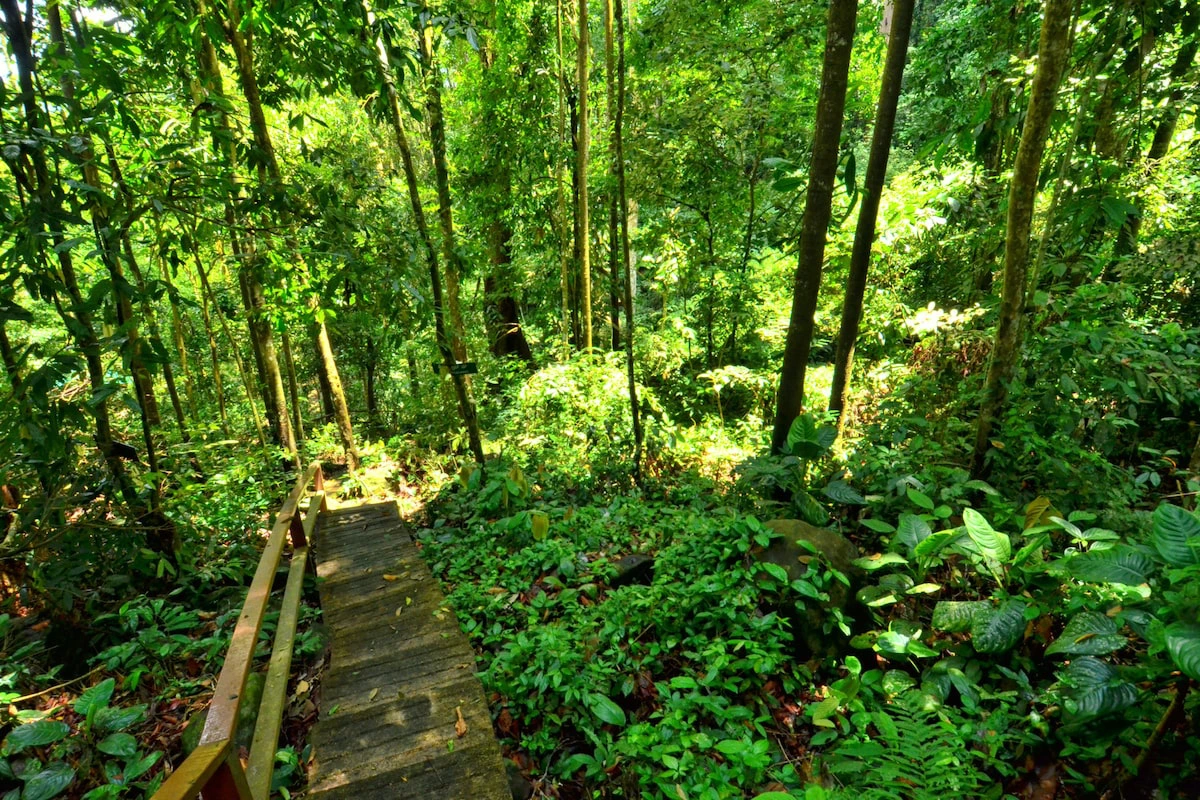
<point x="839" y="39"/>
<point x="583" y="233"/>
<point x="1053" y="53"/>
<point x="868" y="213"/>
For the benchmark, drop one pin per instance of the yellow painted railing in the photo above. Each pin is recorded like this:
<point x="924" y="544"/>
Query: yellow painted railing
<point x="213" y="771"/>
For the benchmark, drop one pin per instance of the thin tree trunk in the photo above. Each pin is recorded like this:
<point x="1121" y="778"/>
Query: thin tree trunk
<point x="78" y="320"/>
<point x="441" y="172"/>
<point x="462" y="386"/>
<point x="1053" y="52"/>
<point x="839" y="39"/>
<point x="619" y="161"/>
<point x="584" y="232"/>
<point x="293" y="388"/>
<point x="560" y="183"/>
<point x="205" y="314"/>
<point x="614" y="247"/>
<point x="1164" y="132"/>
<point x="207" y="295"/>
<point x="868" y="213"/>
<point x="325" y="358"/>
<point x="189" y="386"/>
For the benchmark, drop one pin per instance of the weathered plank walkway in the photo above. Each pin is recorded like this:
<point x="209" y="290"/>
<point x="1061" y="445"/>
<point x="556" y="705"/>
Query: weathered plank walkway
<point x="398" y="675"/>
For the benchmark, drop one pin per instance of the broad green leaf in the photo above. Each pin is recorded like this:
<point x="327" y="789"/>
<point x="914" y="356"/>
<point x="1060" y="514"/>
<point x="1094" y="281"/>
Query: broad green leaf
<point x="1174" y="530"/>
<point x="1089" y="633"/>
<point x="540" y="524"/>
<point x="1183" y="643"/>
<point x="920" y="499"/>
<point x="804" y="438"/>
<point x="116" y="719"/>
<point x="775" y="796"/>
<point x="991" y="543"/>
<point x="912" y="531"/>
<point x="842" y="492"/>
<point x="1096" y="688"/>
<point x="925" y="588"/>
<point x="956" y="616"/>
<point x="36" y="734"/>
<point x="606" y="710"/>
<point x="49" y="782"/>
<point x="878" y="561"/>
<point x="934" y="543"/>
<point x="121" y="745"/>
<point x="731" y="747"/>
<point x="775" y="571"/>
<point x="1000" y="630"/>
<point x="878" y="525"/>
<point x="1119" y="564"/>
<point x="1038" y="512"/>
<point x="877" y="596"/>
<point x="810" y="510"/>
<point x="95" y="697"/>
<point x="138" y="767"/>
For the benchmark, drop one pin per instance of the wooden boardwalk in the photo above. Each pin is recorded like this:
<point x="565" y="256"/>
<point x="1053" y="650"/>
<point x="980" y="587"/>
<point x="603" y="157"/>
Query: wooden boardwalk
<point x="400" y="673"/>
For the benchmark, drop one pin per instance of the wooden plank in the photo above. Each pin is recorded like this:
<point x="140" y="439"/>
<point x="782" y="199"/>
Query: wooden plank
<point x="397" y="682"/>
<point x="270" y="710"/>
<point x="227" y="697"/>
<point x="228" y="782"/>
<point x="185" y="782"/>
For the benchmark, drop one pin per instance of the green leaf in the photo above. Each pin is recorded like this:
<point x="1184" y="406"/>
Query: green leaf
<point x="1174" y="530"/>
<point x="1119" y="564"/>
<point x="810" y="510"/>
<point x="933" y="543"/>
<point x="115" y="719"/>
<point x="842" y="492"/>
<point x="49" y="782"/>
<point x="957" y="616"/>
<point x="920" y="499"/>
<point x="877" y="525"/>
<point x="1096" y="689"/>
<point x="121" y="745"/>
<point x="606" y="710"/>
<point x="775" y="796"/>
<point x="999" y="630"/>
<point x="95" y="697"/>
<point x="991" y="543"/>
<point x="36" y="734"/>
<point x="775" y="571"/>
<point x="1183" y="643"/>
<point x="912" y="531"/>
<point x="138" y="767"/>
<point x="1089" y="633"/>
<point x="877" y="561"/>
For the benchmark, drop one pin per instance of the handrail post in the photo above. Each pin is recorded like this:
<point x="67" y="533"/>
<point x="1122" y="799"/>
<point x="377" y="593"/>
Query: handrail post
<point x="228" y="782"/>
<point x="296" y="529"/>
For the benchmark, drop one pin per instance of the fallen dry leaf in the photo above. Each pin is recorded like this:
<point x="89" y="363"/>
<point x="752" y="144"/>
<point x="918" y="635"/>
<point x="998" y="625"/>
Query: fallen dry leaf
<point x="390" y="577"/>
<point x="460" y="727"/>
<point x="374" y="694"/>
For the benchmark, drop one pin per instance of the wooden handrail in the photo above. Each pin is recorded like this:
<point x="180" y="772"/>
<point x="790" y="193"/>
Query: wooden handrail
<point x="213" y="771"/>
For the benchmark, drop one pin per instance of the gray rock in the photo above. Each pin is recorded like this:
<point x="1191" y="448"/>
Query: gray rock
<point x="635" y="568"/>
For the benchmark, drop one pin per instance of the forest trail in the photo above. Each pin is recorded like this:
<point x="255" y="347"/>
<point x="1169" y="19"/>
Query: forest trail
<point x="404" y="714"/>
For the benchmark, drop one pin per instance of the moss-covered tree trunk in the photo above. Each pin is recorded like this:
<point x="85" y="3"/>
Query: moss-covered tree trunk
<point x="864" y="232"/>
<point x="1053" y="52"/>
<point x="839" y="39"/>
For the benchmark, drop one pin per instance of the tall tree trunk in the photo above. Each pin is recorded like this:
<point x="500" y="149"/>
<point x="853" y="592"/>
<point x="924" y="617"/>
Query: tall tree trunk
<point x="441" y="171"/>
<point x="326" y="363"/>
<point x="614" y="247"/>
<point x="207" y="295"/>
<point x="189" y="385"/>
<point x="293" y="388"/>
<point x="864" y="233"/>
<point x="560" y="184"/>
<point x="9" y="357"/>
<point x="583" y="233"/>
<point x="506" y="335"/>
<point x="462" y="385"/>
<point x="77" y="318"/>
<point x="1053" y="52"/>
<point x="1164" y="132"/>
<point x="214" y="354"/>
<point x="108" y="244"/>
<point x="627" y="262"/>
<point x="839" y="38"/>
